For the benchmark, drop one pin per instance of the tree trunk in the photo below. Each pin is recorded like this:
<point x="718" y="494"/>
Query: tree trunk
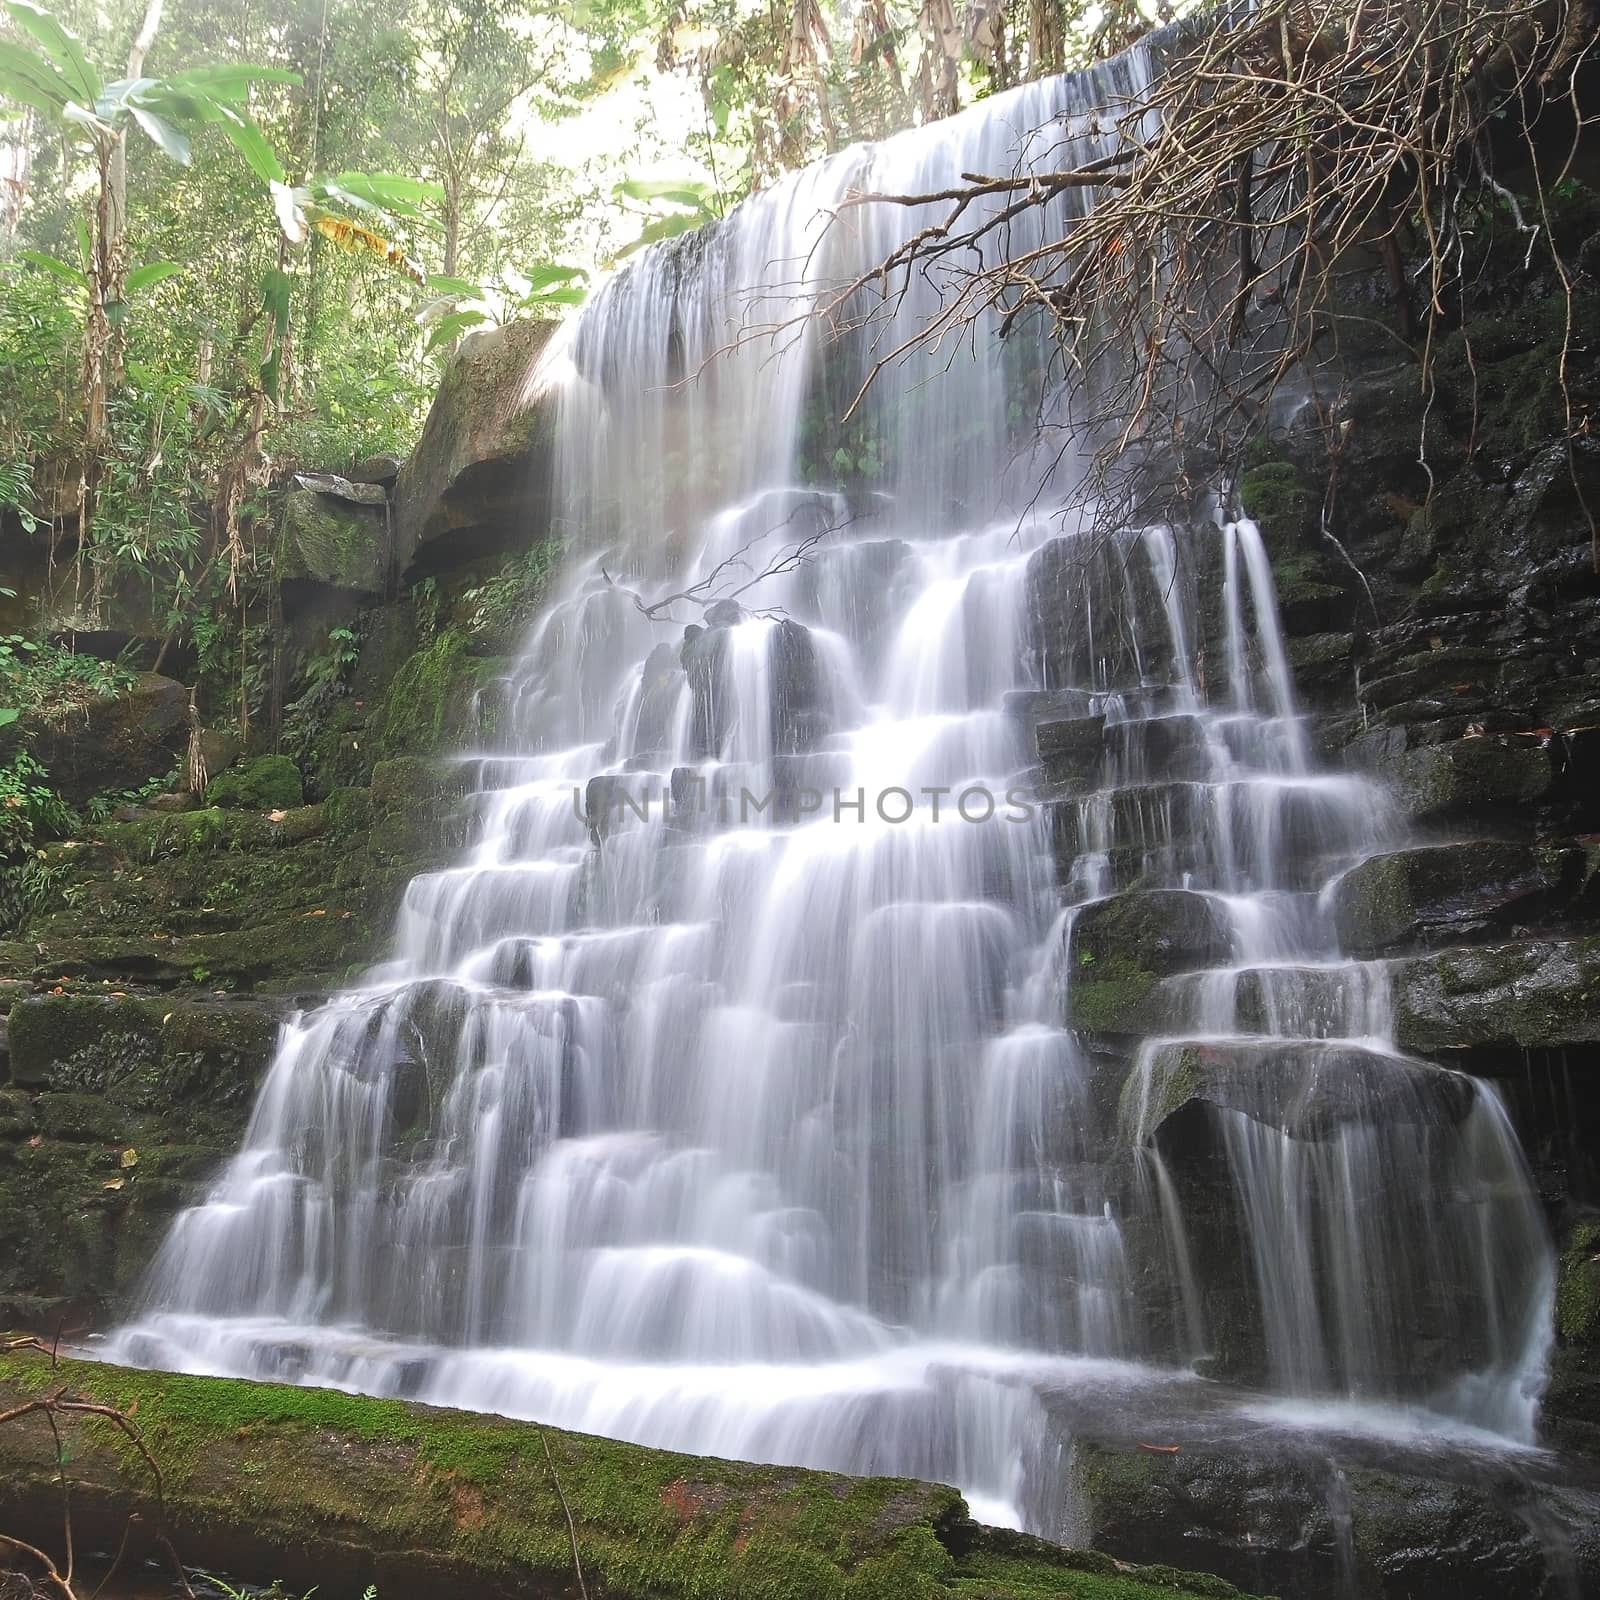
<point x="452" y="225"/>
<point x="116" y="214"/>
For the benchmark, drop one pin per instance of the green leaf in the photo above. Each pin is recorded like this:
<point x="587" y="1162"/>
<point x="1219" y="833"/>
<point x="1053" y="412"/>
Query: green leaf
<point x="459" y="288"/>
<point x="82" y="117"/>
<point x="60" y="46"/>
<point x="277" y="287"/>
<point x="115" y="96"/>
<point x="251" y="143"/>
<point x="387" y="188"/>
<point x="152" y="273"/>
<point x="116" y="312"/>
<point x="456" y="323"/>
<point x="661" y="228"/>
<point x="55" y="267"/>
<point x="677" y="191"/>
<point x="229" y="82"/>
<point x="8" y="715"/>
<point x="31" y="79"/>
<point x="574" y="296"/>
<point x="548" y="274"/>
<point x="174" y="142"/>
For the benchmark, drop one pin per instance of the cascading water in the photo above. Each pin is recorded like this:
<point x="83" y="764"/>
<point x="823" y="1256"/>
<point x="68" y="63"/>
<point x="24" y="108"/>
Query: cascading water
<point x="723" y="1097"/>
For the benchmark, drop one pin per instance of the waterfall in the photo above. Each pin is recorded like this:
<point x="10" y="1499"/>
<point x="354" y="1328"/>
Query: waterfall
<point x="729" y="1093"/>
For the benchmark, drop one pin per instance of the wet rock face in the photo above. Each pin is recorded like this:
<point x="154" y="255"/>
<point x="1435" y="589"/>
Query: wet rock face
<point x="1438" y="894"/>
<point x="1528" y="994"/>
<point x="1082" y="594"/>
<point x="1158" y="931"/>
<point x="1273" y="1516"/>
<point x="1310" y="1091"/>
<point x="1466" y="681"/>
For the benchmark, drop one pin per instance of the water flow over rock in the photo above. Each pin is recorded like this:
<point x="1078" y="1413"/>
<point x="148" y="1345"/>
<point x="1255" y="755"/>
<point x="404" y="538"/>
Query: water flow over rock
<point x="891" y="983"/>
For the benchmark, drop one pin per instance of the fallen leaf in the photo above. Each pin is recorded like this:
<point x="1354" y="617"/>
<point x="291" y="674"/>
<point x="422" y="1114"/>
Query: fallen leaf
<point x="130" y="1157"/>
<point x="1160" y="1449"/>
<point x="113" y="1183"/>
<point x="35" y="1142"/>
<point x="276" y="816"/>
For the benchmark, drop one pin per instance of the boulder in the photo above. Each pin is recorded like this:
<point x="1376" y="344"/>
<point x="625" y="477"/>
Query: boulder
<point x="1466" y="778"/>
<point x="334" y="534"/>
<point x="1308" y="1090"/>
<point x="479" y="478"/>
<point x="1439" y="893"/>
<point x="1329" y="1520"/>
<point x="1529" y="994"/>
<point x="382" y="468"/>
<point x="1158" y="931"/>
<point x="116" y="743"/>
<point x="267" y="783"/>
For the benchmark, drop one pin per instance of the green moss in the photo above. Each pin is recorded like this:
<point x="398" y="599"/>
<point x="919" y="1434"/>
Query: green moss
<point x="81" y="1042"/>
<point x="347" y="811"/>
<point x="1174" y="1077"/>
<point x="1280" y="502"/>
<point x="428" y="707"/>
<point x="332" y="541"/>
<point x="1578" y="1287"/>
<point x="268" y="783"/>
<point x="1107" y="995"/>
<point x="476" y="1497"/>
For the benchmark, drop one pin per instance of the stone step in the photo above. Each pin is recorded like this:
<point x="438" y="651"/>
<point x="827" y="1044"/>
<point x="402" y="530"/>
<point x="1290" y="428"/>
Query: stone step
<point x="1164" y="749"/>
<point x="1433" y="895"/>
<point x="1153" y="932"/>
<point x="1253" y="822"/>
<point x="1524" y="994"/>
<point x="1328" y="1000"/>
<point x="1307" y="1089"/>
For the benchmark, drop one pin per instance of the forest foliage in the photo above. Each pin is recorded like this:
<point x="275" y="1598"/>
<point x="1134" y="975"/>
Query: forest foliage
<point x="236" y="238"/>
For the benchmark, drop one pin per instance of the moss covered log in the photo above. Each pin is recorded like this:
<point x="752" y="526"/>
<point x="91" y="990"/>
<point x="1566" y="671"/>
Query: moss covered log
<point x="318" y="1487"/>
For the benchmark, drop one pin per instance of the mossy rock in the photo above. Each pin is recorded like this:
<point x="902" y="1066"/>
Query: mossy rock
<point x="1466" y="778"/>
<point x="1155" y="932"/>
<point x="1527" y="993"/>
<point x="315" y="1486"/>
<point x="1578" y="1291"/>
<point x="479" y="477"/>
<point x="333" y="541"/>
<point x="1112" y="995"/>
<point x="1276" y="496"/>
<point x="1440" y="893"/>
<point x="267" y="783"/>
<point x="429" y="707"/>
<point x="347" y="812"/>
